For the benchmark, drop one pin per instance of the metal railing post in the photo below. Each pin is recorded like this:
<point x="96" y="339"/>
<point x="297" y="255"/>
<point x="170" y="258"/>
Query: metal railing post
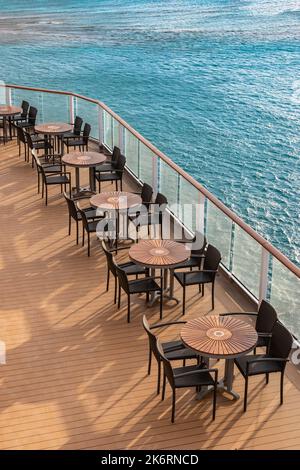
<point x="154" y="174"/>
<point x="8" y="96"/>
<point x="121" y="138"/>
<point x="71" y="109"/>
<point x="200" y="214"/>
<point x="264" y="274"/>
<point x="100" y="127"/>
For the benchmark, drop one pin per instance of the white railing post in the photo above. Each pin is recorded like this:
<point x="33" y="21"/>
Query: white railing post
<point x="154" y="174"/>
<point x="100" y="126"/>
<point x="200" y="213"/>
<point x="121" y="138"/>
<point x="264" y="274"/>
<point x="8" y="96"/>
<point x="71" y="109"/>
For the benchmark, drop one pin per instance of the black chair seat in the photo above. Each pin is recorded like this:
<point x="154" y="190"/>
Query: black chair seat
<point x="59" y="179"/>
<point x="180" y="353"/>
<point x="192" y="278"/>
<point x="25" y="124"/>
<point x="108" y="176"/>
<point x="106" y="167"/>
<point x="74" y="142"/>
<point x="52" y="168"/>
<point x="139" y="286"/>
<point x="193" y="380"/>
<point x="171" y="345"/>
<point x="93" y="225"/>
<point x="132" y="268"/>
<point x="192" y="262"/>
<point x="90" y="213"/>
<point x="259" y="367"/>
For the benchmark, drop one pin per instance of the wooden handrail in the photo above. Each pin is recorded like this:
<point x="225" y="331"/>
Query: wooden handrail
<point x="228" y="212"/>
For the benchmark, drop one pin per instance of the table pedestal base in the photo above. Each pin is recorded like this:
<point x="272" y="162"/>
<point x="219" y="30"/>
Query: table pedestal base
<point x="224" y="385"/>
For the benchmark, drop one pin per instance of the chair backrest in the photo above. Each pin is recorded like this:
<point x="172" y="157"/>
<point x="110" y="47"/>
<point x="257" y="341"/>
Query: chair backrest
<point x="200" y="244"/>
<point x="39" y="166"/>
<point x="28" y="139"/>
<point x="121" y="162"/>
<point x="115" y="154"/>
<point x="25" y="107"/>
<point x="32" y="115"/>
<point x="122" y="277"/>
<point x="281" y="341"/>
<point x="72" y="208"/>
<point x="109" y="259"/>
<point x="161" y="203"/>
<point x="266" y="317"/>
<point x="152" y="338"/>
<point x="77" y="125"/>
<point x="146" y="193"/>
<point x="84" y="218"/>
<point x="86" y="132"/>
<point x="21" y="135"/>
<point x="212" y="258"/>
<point x="166" y="363"/>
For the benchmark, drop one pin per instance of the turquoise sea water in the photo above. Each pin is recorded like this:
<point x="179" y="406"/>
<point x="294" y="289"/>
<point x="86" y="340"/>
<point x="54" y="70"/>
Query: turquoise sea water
<point x="213" y="83"/>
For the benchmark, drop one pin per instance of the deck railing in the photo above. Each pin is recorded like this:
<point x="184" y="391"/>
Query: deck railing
<point x="247" y="257"/>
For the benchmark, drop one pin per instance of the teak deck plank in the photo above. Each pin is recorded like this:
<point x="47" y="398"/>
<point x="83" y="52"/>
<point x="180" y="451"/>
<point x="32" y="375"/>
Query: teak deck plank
<point x="75" y="376"/>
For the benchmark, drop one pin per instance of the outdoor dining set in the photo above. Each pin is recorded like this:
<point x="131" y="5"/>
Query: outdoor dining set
<point x="125" y="222"/>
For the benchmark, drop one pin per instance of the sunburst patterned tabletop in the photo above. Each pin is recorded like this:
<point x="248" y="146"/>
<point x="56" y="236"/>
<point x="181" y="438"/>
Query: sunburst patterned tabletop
<point x="218" y="336"/>
<point x="84" y="159"/>
<point x="115" y="200"/>
<point x="159" y="253"/>
<point x="6" y="110"/>
<point x="53" y="128"/>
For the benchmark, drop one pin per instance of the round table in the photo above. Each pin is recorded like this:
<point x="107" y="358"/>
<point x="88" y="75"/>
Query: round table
<point x="6" y="112"/>
<point x="116" y="203"/>
<point x="160" y="254"/>
<point x="56" y="129"/>
<point x="220" y="337"/>
<point x="84" y="160"/>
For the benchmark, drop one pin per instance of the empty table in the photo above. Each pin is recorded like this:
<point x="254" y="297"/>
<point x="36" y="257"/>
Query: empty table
<point x="84" y="160"/>
<point x="6" y="112"/>
<point x="116" y="203"/>
<point x="160" y="254"/>
<point x="56" y="129"/>
<point x="223" y="338"/>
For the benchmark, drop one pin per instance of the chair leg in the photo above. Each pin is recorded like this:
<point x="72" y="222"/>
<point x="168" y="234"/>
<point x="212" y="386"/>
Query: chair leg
<point x="173" y="405"/>
<point x="158" y="377"/>
<point x="69" y="225"/>
<point x="202" y="290"/>
<point x="183" y="301"/>
<point x="107" y="280"/>
<point x="281" y="387"/>
<point x="89" y="244"/>
<point x="128" y="308"/>
<point x="267" y="379"/>
<point x="149" y="361"/>
<point x="213" y="295"/>
<point x="164" y="388"/>
<point x="46" y="188"/>
<point x="77" y="233"/>
<point x="214" y="401"/>
<point x="83" y="236"/>
<point x="245" y="394"/>
<point x="115" y="296"/>
<point x="119" y="296"/>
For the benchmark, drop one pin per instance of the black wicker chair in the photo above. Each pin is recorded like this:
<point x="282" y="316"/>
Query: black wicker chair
<point x="265" y="320"/>
<point x="115" y="175"/>
<point x="273" y="362"/>
<point x="203" y="276"/>
<point x="173" y="350"/>
<point x="131" y="268"/>
<point x="74" y="213"/>
<point x="186" y="377"/>
<point x="146" y="285"/>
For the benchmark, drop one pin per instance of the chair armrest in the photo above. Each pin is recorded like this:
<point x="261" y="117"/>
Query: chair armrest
<point x="238" y="313"/>
<point x="264" y="359"/>
<point x="264" y="335"/>
<point x="160" y="325"/>
<point x="198" y="371"/>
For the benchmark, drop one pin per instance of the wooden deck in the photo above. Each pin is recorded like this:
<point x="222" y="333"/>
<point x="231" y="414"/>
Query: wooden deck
<point x="75" y="376"/>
